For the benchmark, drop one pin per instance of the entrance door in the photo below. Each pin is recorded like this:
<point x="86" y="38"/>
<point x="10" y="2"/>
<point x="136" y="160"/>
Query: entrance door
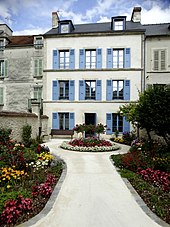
<point x="90" y="119"/>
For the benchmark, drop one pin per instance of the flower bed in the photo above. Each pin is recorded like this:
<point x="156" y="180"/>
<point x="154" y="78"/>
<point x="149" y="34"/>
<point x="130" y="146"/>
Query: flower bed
<point x="27" y="179"/>
<point x="89" y="145"/>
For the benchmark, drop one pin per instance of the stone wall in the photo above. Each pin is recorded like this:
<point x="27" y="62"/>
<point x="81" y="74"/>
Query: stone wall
<point x="16" y="121"/>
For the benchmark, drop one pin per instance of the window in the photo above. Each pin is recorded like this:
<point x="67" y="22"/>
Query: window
<point x="159" y="62"/>
<point x="3" y="68"/>
<point x="118" y="58"/>
<point x="38" y="42"/>
<point x="118" y="23"/>
<point x="64" y="59"/>
<point x="118" y="89"/>
<point x="90" y="59"/>
<point x="38" y="67"/>
<point x="64" y="121"/>
<point x="63" y="89"/>
<point x="38" y="93"/>
<point x="90" y="89"/>
<point x="1" y="96"/>
<point x="64" y="28"/>
<point x="117" y="123"/>
<point x="2" y="46"/>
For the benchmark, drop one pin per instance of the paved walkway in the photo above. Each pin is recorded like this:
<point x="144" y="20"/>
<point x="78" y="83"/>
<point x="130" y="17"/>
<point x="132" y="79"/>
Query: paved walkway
<point x="93" y="194"/>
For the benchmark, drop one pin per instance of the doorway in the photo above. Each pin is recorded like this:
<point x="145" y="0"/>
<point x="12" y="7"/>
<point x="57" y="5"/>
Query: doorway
<point x="90" y="119"/>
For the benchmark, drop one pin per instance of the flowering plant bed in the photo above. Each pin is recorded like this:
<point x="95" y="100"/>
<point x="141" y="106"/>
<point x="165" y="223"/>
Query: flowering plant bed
<point x="27" y="179"/>
<point x="91" y="144"/>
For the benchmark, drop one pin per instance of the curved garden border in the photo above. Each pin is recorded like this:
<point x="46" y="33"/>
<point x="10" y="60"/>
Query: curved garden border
<point x="67" y="146"/>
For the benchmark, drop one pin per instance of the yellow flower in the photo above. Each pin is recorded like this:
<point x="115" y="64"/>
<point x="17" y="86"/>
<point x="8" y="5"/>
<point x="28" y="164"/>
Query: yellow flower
<point x="8" y="186"/>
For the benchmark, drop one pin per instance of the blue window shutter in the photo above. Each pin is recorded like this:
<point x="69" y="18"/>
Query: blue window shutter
<point x="109" y="59"/>
<point x="109" y="123"/>
<point x="55" y="59"/>
<point x="127" y="58"/>
<point x="98" y="89"/>
<point x="98" y="58"/>
<point x="72" y="59"/>
<point x="55" y="90"/>
<point x="71" y="120"/>
<point x="126" y="125"/>
<point x="126" y="90"/>
<point x="71" y="90"/>
<point x="81" y="90"/>
<point x="109" y="90"/>
<point x="81" y="58"/>
<point x="55" y="121"/>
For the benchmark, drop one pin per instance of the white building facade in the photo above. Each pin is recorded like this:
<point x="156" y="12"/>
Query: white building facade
<point x="91" y="70"/>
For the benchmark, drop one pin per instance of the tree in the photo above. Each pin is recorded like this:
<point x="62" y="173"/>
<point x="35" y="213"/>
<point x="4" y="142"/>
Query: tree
<point x="152" y="111"/>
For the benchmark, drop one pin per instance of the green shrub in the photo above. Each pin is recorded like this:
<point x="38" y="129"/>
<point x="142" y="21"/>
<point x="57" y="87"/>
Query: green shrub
<point x="4" y="135"/>
<point x="26" y="135"/>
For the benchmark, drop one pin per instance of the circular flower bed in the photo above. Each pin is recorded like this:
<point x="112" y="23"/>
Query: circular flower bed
<point x="91" y="144"/>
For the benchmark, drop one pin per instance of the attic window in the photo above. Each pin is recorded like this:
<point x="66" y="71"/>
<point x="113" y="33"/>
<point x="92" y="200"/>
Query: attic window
<point x="66" y="26"/>
<point x="118" y="23"/>
<point x="38" y="42"/>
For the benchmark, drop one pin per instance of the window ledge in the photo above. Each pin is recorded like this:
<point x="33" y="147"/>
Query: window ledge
<point x="38" y="77"/>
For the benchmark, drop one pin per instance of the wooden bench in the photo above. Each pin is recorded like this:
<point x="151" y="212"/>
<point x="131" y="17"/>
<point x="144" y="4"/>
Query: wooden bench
<point x="60" y="132"/>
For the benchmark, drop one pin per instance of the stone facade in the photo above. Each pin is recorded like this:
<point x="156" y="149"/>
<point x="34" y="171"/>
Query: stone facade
<point x="16" y="121"/>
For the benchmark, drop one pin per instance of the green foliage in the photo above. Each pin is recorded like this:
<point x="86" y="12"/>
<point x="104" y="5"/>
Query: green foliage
<point x="12" y="195"/>
<point x="26" y="134"/>
<point x="4" y="135"/>
<point x="152" y="111"/>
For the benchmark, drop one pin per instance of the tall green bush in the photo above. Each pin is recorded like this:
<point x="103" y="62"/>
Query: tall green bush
<point x="26" y="134"/>
<point x="4" y="135"/>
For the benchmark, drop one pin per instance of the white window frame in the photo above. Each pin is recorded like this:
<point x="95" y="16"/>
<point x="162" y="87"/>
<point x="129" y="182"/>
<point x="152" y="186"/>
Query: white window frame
<point x="1" y="96"/>
<point x="38" y="42"/>
<point x="37" y="92"/>
<point x="90" y="62"/>
<point x="64" y="59"/>
<point x="159" y="59"/>
<point x="38" y="67"/>
<point x="3" y="68"/>
<point x="2" y="44"/>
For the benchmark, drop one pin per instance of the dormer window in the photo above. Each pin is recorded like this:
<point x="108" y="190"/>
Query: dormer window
<point x="118" y="23"/>
<point x="38" y="42"/>
<point x="65" y="26"/>
<point x="2" y="44"/>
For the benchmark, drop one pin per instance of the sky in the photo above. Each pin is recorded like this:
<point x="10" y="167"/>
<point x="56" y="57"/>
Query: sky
<point x="32" y="17"/>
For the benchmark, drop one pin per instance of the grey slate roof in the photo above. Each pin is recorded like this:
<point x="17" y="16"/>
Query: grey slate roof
<point x="97" y="27"/>
<point x="150" y="29"/>
<point x="157" y="29"/>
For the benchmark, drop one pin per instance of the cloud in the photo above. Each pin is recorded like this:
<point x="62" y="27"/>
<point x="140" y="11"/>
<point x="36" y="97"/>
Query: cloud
<point x="34" y="31"/>
<point x="155" y="15"/>
<point x="103" y="19"/>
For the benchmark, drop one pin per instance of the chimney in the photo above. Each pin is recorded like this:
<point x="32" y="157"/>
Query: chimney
<point x="136" y="14"/>
<point x="55" y="19"/>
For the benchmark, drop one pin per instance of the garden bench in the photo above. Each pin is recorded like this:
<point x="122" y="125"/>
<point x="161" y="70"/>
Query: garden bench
<point x="61" y="132"/>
